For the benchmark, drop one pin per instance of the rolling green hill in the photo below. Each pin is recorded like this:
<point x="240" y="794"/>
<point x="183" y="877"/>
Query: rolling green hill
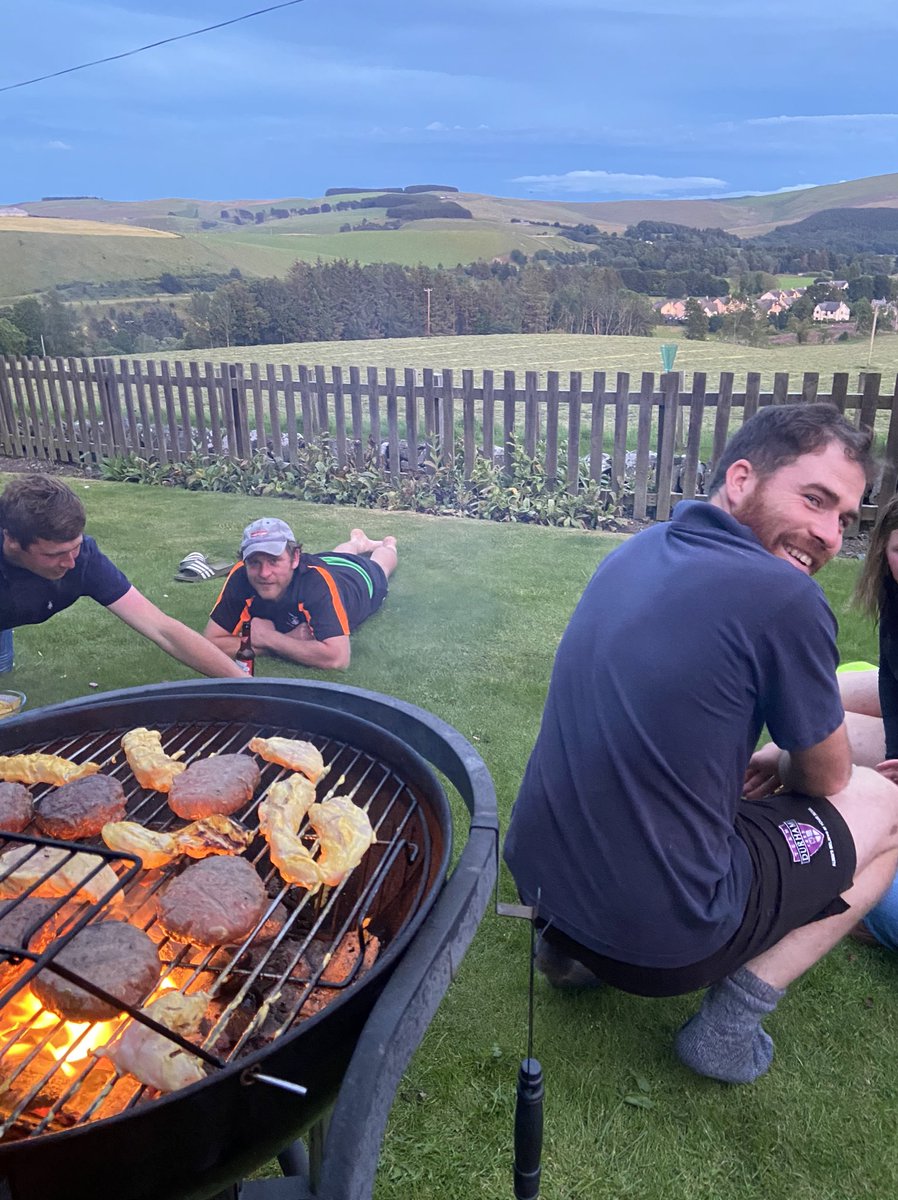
<point x="203" y="242"/>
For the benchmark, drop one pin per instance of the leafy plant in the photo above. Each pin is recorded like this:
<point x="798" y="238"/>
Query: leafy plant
<point x="520" y="492"/>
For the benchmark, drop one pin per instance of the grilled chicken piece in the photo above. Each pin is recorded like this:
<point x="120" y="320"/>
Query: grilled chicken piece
<point x="154" y="849"/>
<point x="344" y="833"/>
<point x="152" y="767"/>
<point x="151" y="1057"/>
<point x="280" y="816"/>
<point x="216" y="834"/>
<point x="71" y="872"/>
<point x="296" y="755"/>
<point x="43" y="768"/>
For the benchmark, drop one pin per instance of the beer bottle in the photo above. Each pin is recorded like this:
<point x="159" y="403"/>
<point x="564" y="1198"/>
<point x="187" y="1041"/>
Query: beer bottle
<point x="245" y="658"/>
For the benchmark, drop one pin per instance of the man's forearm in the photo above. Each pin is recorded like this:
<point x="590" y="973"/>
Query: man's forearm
<point x="328" y="655"/>
<point x="817" y="780"/>
<point x="192" y="649"/>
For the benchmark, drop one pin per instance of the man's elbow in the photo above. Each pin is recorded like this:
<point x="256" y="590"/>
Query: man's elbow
<point x="339" y="658"/>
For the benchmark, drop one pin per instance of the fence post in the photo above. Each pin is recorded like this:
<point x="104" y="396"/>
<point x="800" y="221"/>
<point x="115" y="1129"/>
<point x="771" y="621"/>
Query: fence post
<point x="236" y="399"/>
<point x="670" y="403"/>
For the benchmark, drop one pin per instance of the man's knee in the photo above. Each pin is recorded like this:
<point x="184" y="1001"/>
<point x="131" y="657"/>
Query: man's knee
<point x="869" y="806"/>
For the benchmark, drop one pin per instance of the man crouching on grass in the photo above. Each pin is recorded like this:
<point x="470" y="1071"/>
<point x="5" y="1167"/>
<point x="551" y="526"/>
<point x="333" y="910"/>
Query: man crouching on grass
<point x="664" y="854"/>
<point x="302" y="607"/>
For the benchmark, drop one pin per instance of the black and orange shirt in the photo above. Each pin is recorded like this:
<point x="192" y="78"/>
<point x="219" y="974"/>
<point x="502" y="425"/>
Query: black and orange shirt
<point x="331" y="593"/>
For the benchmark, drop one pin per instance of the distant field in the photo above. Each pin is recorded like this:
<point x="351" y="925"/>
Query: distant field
<point x="33" y="262"/>
<point x="794" y="281"/>
<point x="59" y="226"/>
<point x="429" y="243"/>
<point x="37" y="254"/>
<point x="570" y="352"/>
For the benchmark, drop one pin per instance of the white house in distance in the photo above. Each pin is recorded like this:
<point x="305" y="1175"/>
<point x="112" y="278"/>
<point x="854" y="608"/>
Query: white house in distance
<point x="832" y="310"/>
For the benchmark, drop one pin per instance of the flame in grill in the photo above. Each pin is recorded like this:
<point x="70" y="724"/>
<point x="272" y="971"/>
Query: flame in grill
<point x="25" y="1028"/>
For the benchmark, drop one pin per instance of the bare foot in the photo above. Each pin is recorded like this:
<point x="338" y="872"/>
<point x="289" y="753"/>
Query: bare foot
<point x="389" y="541"/>
<point x="361" y="543"/>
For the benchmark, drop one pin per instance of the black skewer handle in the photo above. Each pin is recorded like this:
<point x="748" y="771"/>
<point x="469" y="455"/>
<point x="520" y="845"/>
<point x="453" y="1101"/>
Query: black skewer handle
<point x="528" y="1130"/>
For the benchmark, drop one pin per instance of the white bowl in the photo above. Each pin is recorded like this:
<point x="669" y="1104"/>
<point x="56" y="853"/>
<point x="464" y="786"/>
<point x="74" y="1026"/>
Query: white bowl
<point x="10" y="703"/>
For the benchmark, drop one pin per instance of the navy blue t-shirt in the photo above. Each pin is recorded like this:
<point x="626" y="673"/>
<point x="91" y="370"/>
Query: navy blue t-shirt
<point x="687" y="641"/>
<point x="27" y="599"/>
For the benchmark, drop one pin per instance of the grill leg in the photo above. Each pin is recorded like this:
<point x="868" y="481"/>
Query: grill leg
<point x="317" y="1138"/>
<point x="295" y="1160"/>
<point x="301" y="1167"/>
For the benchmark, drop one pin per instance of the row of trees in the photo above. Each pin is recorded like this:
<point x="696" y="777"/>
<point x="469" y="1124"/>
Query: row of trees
<point x="346" y="301"/>
<point x="662" y="258"/>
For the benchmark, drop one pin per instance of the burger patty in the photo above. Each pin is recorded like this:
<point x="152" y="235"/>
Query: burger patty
<point x="31" y="918"/>
<point x="16" y="806"/>
<point x="115" y="956"/>
<point x="220" y="784"/>
<point x="216" y="902"/>
<point x="81" y="808"/>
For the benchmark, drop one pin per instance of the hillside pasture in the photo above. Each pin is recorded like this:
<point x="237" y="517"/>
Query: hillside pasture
<point x="79" y="228"/>
<point x="423" y="243"/>
<point x="572" y="352"/>
<point x="36" y="255"/>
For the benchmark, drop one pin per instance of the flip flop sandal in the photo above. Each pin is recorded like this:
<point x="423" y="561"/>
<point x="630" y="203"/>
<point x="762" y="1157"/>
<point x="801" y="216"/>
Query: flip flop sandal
<point x="196" y="567"/>
<point x="193" y="557"/>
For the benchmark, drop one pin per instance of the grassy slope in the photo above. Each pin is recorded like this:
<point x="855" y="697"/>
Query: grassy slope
<point x="750" y="215"/>
<point x="818" y="1127"/>
<point x="26" y="265"/>
<point x="571" y="352"/>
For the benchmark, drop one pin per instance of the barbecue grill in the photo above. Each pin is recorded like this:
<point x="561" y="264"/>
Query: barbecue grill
<point x="291" y="1046"/>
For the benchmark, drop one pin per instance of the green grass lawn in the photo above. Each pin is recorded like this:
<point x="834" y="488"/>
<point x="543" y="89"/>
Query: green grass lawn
<point x="469" y="632"/>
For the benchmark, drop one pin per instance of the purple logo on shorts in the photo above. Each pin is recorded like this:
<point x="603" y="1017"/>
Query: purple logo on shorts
<point x="803" y="840"/>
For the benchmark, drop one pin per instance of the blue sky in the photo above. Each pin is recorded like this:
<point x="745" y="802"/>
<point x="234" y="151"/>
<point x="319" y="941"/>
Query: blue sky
<point x="559" y="99"/>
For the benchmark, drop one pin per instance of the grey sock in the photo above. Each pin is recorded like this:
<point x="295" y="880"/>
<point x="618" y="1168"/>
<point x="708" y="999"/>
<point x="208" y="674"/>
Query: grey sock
<point x="724" y="1039"/>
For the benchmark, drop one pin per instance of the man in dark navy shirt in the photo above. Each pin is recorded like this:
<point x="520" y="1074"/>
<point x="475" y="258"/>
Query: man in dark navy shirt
<point x="47" y="563"/>
<point x="302" y="607"/>
<point x="645" y="827"/>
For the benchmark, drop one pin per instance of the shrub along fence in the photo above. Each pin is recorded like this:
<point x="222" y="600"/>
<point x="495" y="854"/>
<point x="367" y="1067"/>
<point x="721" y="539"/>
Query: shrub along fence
<point x="655" y="444"/>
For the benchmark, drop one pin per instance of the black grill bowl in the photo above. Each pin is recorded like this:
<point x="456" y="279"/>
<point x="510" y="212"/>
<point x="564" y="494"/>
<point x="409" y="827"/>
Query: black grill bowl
<point x="195" y="1143"/>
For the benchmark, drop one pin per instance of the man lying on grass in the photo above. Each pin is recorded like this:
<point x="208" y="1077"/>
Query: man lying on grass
<point x="302" y="607"/>
<point x="666" y="855"/>
<point x="47" y="563"/>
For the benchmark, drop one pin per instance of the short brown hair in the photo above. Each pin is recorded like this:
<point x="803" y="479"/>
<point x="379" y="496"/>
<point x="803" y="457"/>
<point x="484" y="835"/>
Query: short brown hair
<point x="780" y="433"/>
<point x="39" y="506"/>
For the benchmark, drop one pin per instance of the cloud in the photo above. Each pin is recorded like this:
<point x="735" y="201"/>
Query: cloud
<point x="57" y="145"/>
<point x="619" y="182"/>
<point x="793" y="187"/>
<point x="822" y="119"/>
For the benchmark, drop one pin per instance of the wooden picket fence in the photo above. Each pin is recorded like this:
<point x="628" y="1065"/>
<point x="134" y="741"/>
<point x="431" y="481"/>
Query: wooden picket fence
<point x="657" y="443"/>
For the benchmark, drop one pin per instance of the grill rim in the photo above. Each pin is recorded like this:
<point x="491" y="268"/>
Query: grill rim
<point x="398" y="1010"/>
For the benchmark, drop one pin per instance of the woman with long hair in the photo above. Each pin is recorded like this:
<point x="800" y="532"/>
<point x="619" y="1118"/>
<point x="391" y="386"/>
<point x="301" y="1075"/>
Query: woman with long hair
<point x="870" y="697"/>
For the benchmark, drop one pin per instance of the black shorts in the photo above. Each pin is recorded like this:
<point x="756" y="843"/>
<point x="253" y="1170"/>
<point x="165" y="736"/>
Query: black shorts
<point x="379" y="580"/>
<point x="803" y="858"/>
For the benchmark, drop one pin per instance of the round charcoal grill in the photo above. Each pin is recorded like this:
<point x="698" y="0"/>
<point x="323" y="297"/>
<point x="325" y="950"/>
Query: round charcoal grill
<point x="318" y="1022"/>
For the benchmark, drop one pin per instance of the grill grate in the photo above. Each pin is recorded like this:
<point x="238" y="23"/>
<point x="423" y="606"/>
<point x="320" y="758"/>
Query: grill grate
<point x="263" y="986"/>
